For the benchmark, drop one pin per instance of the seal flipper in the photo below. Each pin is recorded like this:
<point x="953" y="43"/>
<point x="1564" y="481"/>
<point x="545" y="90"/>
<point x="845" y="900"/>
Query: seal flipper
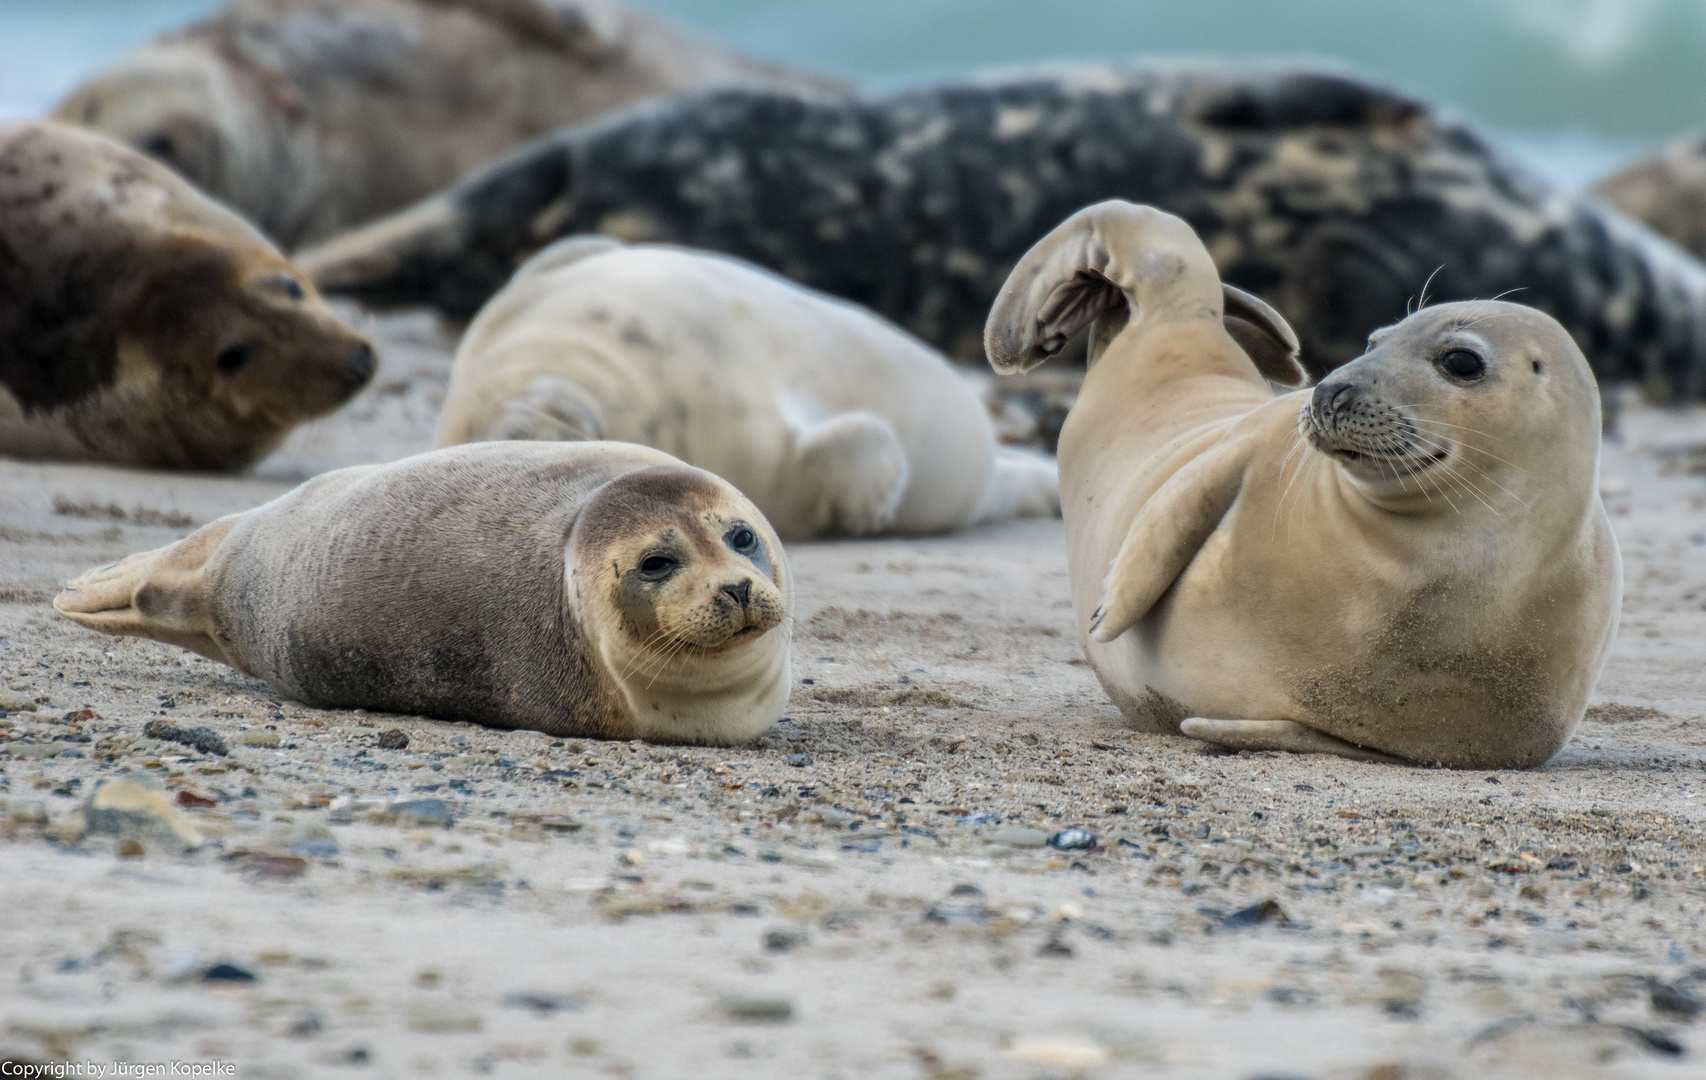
<point x="160" y="594"/>
<point x="551" y="410"/>
<point x="1286" y="735"/>
<point x="1021" y="485"/>
<point x="858" y="469"/>
<point x="1165" y="536"/>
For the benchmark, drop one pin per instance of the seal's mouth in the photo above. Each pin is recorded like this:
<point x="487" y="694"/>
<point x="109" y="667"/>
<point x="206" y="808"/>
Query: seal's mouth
<point x="1384" y="441"/>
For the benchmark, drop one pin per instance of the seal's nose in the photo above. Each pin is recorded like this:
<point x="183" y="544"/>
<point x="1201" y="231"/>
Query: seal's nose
<point x="738" y="593"/>
<point x="1329" y="398"/>
<point x="358" y="366"/>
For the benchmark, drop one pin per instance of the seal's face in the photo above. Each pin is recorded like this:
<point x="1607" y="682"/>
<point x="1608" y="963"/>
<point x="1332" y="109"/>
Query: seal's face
<point x="1444" y="405"/>
<point x="241" y="333"/>
<point x="690" y="566"/>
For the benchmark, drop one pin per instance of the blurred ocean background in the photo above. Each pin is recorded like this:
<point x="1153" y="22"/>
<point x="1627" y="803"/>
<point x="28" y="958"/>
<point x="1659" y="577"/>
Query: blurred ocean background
<point x="1576" y="87"/>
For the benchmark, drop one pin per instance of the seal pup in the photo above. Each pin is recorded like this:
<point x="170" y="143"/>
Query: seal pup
<point x="1332" y="198"/>
<point x="588" y="589"/>
<point x="311" y="117"/>
<point x="141" y="323"/>
<point x="1409" y="562"/>
<point x="829" y="419"/>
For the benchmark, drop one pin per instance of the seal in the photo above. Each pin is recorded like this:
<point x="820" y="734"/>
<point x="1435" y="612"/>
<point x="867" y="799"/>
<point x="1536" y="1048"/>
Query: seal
<point x="588" y="589"/>
<point x="1665" y="192"/>
<point x="311" y="117"/>
<point x="831" y="420"/>
<point x="1332" y="198"/>
<point x="1409" y="562"/>
<point x="141" y="323"/>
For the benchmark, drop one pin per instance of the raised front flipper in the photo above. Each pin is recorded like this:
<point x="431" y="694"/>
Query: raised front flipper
<point x="1286" y="735"/>
<point x="1165" y="536"/>
<point x="160" y="594"/>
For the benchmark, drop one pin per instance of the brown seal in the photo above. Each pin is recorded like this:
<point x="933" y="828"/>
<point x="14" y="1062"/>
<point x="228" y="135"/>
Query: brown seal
<point x="593" y="589"/>
<point x="141" y="323"/>
<point x="311" y="117"/>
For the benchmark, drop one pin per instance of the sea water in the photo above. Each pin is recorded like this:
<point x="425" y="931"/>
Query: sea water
<point x="1574" y="86"/>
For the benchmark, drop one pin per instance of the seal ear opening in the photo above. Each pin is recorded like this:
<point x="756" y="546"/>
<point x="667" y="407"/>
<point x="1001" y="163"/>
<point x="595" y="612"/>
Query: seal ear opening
<point x="1264" y="335"/>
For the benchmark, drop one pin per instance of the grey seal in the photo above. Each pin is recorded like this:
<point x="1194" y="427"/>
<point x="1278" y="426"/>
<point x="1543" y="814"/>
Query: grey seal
<point x="1338" y="201"/>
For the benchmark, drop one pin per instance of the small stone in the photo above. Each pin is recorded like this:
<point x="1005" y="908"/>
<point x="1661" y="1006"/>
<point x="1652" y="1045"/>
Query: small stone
<point x="443" y="1020"/>
<point x="130" y="809"/>
<point x="758" y="1009"/>
<point x="228" y="973"/>
<point x="1066" y="1054"/>
<point x="1056" y="948"/>
<point x="1019" y="837"/>
<point x="395" y="739"/>
<point x="28" y="812"/>
<point x="422" y="812"/>
<point x="34" y="751"/>
<point x="781" y="941"/>
<point x="1267" y="912"/>
<point x="191" y="800"/>
<point x="128" y="849"/>
<point x="259" y="737"/>
<point x="798" y="761"/>
<point x="13" y="702"/>
<point x="543" y="1004"/>
<point x="278" y="867"/>
<point x="582" y="1046"/>
<point x="1072" y="840"/>
<point x="204" y="739"/>
<point x="307" y="1026"/>
<point x="1675" y="1001"/>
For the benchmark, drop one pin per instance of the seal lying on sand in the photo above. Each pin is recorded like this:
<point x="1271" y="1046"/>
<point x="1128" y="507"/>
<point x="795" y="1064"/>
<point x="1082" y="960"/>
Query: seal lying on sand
<point x="594" y="589"/>
<point x="1333" y="199"/>
<point x="1666" y="192"/>
<point x="1409" y="562"/>
<point x="826" y="417"/>
<point x="311" y="117"/>
<point x="142" y="323"/>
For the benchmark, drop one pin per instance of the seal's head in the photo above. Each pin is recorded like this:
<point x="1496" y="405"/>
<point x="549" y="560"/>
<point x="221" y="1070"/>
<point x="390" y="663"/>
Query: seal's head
<point x="683" y="588"/>
<point x="1460" y="406"/>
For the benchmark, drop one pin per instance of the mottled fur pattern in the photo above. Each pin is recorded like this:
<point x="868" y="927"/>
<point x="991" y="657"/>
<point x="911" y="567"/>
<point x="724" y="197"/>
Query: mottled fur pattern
<point x="1333" y="199"/>
<point x="143" y="324"/>
<point x="311" y="117"/>
<point x="504" y="584"/>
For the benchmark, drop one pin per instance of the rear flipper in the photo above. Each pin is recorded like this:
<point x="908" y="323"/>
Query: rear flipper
<point x="551" y="410"/>
<point x="1287" y="735"/>
<point x="1021" y="485"/>
<point x="159" y="594"/>
<point x="854" y="470"/>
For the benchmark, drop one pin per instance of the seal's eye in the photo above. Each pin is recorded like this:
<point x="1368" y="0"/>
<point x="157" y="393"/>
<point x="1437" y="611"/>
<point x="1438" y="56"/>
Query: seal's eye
<point x="657" y="567"/>
<point x="742" y="539"/>
<point x="234" y="358"/>
<point x="1463" y="364"/>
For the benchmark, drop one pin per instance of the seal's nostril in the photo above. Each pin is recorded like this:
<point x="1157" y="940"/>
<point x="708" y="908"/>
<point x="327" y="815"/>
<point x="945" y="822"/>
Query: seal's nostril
<point x="738" y="593"/>
<point x="359" y="364"/>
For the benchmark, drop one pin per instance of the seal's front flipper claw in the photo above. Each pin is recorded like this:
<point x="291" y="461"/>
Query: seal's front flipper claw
<point x="1287" y="735"/>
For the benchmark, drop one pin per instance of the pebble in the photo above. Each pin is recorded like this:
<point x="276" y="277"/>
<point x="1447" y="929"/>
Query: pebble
<point x="228" y="973"/>
<point x="259" y="737"/>
<point x="781" y="941"/>
<point x="395" y="739"/>
<point x="1019" y="837"/>
<point x="13" y="703"/>
<point x="420" y="812"/>
<point x="758" y="1009"/>
<point x="543" y="1004"/>
<point x="1267" y="912"/>
<point x="34" y="751"/>
<point x="1066" y="1054"/>
<point x="131" y="809"/>
<point x="1072" y="840"/>
<point x="443" y="1020"/>
<point x="1675" y="1001"/>
<point x="27" y="812"/>
<point x="204" y="739"/>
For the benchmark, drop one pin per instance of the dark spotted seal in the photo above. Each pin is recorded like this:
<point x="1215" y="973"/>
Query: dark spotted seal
<point x="142" y="323"/>
<point x="1332" y="199"/>
<point x="587" y="588"/>
<point x="312" y="116"/>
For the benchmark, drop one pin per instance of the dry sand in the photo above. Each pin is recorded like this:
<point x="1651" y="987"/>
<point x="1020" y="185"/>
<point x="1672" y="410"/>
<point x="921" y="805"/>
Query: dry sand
<point x="862" y="893"/>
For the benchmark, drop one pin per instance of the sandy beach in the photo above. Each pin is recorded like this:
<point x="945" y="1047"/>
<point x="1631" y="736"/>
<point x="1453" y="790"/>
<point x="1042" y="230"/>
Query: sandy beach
<point x="951" y="861"/>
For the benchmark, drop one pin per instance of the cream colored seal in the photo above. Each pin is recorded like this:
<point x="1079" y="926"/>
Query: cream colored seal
<point x="830" y="419"/>
<point x="1409" y="562"/>
<point x="141" y="323"/>
<point x="589" y="589"/>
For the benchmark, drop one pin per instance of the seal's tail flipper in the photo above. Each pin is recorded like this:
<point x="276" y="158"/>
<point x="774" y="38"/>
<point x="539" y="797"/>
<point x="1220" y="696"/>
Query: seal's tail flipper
<point x="1021" y="485"/>
<point x="157" y="594"/>
<point x="1287" y="735"/>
